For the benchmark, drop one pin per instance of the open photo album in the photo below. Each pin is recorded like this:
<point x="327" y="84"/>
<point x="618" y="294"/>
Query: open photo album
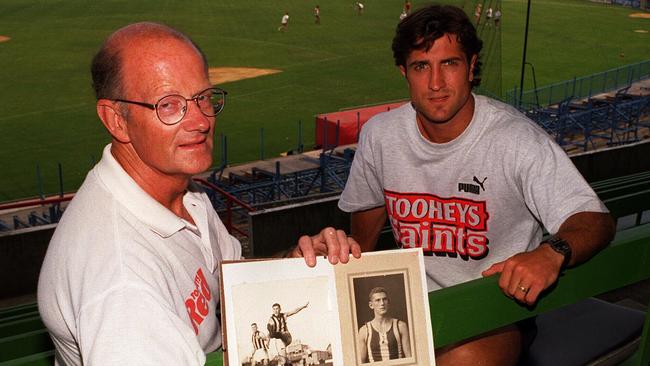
<point x="372" y="310"/>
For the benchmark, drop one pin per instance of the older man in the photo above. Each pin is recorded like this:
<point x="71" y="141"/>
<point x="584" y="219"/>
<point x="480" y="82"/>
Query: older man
<point x="131" y="274"/>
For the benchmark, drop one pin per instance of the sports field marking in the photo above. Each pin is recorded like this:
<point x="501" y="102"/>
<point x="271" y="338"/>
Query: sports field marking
<point x="4" y="38"/>
<point x="641" y="31"/>
<point x="220" y="75"/>
<point x="640" y="15"/>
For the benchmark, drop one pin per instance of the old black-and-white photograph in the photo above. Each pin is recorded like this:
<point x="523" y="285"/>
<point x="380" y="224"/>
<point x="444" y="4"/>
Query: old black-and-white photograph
<point x="384" y="310"/>
<point x="282" y="321"/>
<point x="382" y="317"/>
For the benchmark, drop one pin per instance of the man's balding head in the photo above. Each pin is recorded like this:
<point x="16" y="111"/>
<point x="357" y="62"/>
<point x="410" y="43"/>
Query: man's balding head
<point x="106" y="67"/>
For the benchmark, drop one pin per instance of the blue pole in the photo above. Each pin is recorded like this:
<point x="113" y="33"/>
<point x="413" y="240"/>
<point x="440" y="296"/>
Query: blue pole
<point x="224" y="150"/>
<point x="39" y="181"/>
<point x="60" y="180"/>
<point x="300" y="144"/>
<point x="262" y="143"/>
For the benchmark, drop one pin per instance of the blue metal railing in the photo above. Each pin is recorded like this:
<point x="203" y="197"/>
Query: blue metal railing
<point x="582" y="87"/>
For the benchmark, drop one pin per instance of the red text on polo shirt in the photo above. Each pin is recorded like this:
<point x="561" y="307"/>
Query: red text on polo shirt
<point x="198" y="303"/>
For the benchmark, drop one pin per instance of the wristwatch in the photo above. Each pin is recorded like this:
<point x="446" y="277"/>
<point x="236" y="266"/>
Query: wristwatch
<point x="561" y="246"/>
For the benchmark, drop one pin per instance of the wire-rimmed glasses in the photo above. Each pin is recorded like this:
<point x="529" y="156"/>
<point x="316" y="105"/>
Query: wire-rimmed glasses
<point x="171" y="109"/>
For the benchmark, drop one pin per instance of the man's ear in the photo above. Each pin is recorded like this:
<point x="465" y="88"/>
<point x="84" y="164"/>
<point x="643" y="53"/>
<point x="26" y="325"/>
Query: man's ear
<point x="472" y="65"/>
<point x="113" y="119"/>
<point x="402" y="69"/>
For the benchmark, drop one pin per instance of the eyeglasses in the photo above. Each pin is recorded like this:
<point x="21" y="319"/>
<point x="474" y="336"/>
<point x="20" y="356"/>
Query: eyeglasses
<point x="171" y="109"/>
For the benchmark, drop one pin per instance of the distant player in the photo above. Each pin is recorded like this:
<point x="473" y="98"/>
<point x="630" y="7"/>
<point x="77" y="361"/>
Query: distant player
<point x="384" y="337"/>
<point x="488" y="16"/>
<point x="497" y="17"/>
<point x="359" y="8"/>
<point x="284" y="22"/>
<point x="260" y="346"/>
<point x="477" y="13"/>
<point x="407" y="7"/>
<point x="277" y="325"/>
<point x="317" y="14"/>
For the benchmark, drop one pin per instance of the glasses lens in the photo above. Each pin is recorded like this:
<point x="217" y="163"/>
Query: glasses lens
<point x="211" y="101"/>
<point x="171" y="109"/>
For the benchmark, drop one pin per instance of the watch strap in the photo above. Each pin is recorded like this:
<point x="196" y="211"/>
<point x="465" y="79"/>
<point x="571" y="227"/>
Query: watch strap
<point x="561" y="246"/>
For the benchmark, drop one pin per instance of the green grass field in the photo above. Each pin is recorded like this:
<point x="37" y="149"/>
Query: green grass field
<point x="47" y="113"/>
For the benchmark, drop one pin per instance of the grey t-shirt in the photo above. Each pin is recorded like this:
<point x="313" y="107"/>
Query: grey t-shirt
<point x="470" y="202"/>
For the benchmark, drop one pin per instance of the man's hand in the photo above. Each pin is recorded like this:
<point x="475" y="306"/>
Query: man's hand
<point x="335" y="244"/>
<point x="525" y="275"/>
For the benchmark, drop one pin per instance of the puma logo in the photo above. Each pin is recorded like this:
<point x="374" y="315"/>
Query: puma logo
<point x="480" y="183"/>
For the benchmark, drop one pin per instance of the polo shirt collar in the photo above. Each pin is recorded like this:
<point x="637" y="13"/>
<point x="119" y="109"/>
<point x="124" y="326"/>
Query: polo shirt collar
<point x="129" y="194"/>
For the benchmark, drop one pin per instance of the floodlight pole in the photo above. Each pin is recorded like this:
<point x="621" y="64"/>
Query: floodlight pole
<point x="523" y="60"/>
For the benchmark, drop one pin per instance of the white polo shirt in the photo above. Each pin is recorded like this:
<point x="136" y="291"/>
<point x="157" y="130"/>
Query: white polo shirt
<point x="127" y="282"/>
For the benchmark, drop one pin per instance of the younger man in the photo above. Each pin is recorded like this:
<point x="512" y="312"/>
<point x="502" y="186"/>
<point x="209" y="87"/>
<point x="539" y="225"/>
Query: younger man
<point x="470" y="180"/>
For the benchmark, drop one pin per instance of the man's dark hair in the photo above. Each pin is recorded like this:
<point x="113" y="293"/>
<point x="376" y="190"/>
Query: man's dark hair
<point x="421" y="29"/>
<point x="106" y="66"/>
<point x="276" y="304"/>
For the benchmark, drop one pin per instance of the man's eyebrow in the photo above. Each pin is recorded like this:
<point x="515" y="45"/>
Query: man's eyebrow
<point x="418" y="62"/>
<point x="453" y="58"/>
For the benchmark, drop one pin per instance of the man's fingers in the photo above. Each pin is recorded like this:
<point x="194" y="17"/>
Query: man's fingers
<point x="333" y="246"/>
<point x="344" y="246"/>
<point x="495" y="268"/>
<point x="355" y="248"/>
<point x="520" y="291"/>
<point x="306" y="248"/>
<point x="533" y="293"/>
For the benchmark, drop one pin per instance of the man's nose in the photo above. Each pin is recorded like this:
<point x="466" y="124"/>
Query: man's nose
<point x="436" y="79"/>
<point x="194" y="119"/>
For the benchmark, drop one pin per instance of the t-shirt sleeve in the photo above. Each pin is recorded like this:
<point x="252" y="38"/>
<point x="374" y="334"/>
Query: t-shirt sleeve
<point x="552" y="186"/>
<point x="363" y="189"/>
<point x="131" y="325"/>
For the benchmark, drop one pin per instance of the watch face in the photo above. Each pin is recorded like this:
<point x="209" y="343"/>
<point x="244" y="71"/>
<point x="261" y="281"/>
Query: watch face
<point x="562" y="247"/>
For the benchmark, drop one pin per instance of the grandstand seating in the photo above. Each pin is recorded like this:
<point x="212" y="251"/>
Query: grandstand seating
<point x="465" y="310"/>
<point x="594" y="122"/>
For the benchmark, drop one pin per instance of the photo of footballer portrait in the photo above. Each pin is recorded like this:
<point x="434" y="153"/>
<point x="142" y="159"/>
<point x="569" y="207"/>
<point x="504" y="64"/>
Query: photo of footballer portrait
<point x="384" y="310"/>
<point x="382" y="315"/>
